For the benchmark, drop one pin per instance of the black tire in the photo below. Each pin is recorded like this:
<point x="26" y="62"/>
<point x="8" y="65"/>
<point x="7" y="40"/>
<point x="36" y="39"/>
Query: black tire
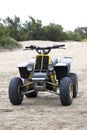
<point x="32" y="94"/>
<point x="66" y="91"/>
<point x="74" y="78"/>
<point x="15" y="89"/>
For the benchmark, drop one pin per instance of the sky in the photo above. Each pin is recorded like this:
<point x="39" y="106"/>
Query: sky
<point x="68" y="13"/>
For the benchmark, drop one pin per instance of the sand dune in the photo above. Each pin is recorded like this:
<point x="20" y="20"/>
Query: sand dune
<point x="44" y="112"/>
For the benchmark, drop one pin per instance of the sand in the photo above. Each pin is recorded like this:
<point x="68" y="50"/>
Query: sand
<point x="44" y="112"/>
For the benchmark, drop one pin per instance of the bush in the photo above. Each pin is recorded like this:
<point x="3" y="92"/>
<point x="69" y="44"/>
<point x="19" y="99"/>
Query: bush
<point x="9" y="43"/>
<point x="72" y="36"/>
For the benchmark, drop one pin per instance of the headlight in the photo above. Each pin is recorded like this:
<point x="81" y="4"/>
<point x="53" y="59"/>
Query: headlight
<point x="50" y="67"/>
<point x="30" y="68"/>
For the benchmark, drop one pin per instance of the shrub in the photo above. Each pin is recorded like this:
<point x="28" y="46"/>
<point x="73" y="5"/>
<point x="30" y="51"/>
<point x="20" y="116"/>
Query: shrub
<point x="9" y="43"/>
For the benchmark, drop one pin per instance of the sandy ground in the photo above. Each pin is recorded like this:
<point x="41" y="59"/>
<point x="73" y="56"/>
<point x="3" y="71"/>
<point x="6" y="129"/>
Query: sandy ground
<point x="44" y="112"/>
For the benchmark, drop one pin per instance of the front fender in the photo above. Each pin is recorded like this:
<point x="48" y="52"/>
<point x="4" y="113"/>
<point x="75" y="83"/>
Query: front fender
<point x="24" y="73"/>
<point x="62" y="68"/>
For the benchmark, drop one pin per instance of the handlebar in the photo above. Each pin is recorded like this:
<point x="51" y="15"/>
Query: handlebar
<point x="43" y="50"/>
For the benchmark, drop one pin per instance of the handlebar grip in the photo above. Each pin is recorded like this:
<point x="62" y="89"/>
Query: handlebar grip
<point x="58" y="46"/>
<point x="32" y="47"/>
<point x="62" y="45"/>
<point x="26" y="47"/>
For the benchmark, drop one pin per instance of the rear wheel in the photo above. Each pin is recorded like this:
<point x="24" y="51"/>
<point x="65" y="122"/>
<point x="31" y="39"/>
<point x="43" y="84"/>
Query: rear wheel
<point x="66" y="91"/>
<point x="31" y="95"/>
<point x="74" y="78"/>
<point x="15" y="91"/>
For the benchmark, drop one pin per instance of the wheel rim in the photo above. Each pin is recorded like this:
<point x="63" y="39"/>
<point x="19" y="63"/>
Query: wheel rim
<point x="71" y="91"/>
<point x="76" y="86"/>
<point x="20" y="92"/>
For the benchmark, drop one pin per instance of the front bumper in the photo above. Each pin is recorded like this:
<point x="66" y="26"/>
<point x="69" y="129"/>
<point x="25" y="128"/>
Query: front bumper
<point x="39" y="76"/>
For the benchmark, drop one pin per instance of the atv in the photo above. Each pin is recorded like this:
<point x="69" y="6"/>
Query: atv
<point x="44" y="73"/>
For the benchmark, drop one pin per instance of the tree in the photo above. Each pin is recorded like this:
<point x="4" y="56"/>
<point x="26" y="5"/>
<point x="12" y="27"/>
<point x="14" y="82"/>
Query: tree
<point x="6" y="41"/>
<point x="13" y="26"/>
<point x="72" y="36"/>
<point x="53" y="32"/>
<point x="82" y="31"/>
<point x="33" y="27"/>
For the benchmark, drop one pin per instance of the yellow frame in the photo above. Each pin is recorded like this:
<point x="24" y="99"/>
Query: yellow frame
<point x="42" y="59"/>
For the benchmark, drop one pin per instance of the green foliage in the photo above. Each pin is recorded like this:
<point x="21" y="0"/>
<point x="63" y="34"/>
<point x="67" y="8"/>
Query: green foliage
<point x="13" y="26"/>
<point x="9" y="43"/>
<point x="84" y="40"/>
<point x="72" y="36"/>
<point x="53" y="32"/>
<point x="32" y="29"/>
<point x="82" y="32"/>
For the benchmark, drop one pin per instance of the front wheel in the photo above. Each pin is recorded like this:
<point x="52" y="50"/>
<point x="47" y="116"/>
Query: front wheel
<point x="15" y="91"/>
<point x="66" y="91"/>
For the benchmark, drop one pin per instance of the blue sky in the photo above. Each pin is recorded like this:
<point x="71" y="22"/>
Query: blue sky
<point x="68" y="13"/>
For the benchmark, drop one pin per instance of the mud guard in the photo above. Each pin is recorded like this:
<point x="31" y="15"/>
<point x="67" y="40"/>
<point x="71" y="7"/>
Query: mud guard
<point x="62" y="68"/>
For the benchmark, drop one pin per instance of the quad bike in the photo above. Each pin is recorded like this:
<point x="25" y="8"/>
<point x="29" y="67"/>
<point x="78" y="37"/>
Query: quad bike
<point x="44" y="74"/>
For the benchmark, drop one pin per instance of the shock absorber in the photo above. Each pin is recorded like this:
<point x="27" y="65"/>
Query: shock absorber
<point x="52" y="78"/>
